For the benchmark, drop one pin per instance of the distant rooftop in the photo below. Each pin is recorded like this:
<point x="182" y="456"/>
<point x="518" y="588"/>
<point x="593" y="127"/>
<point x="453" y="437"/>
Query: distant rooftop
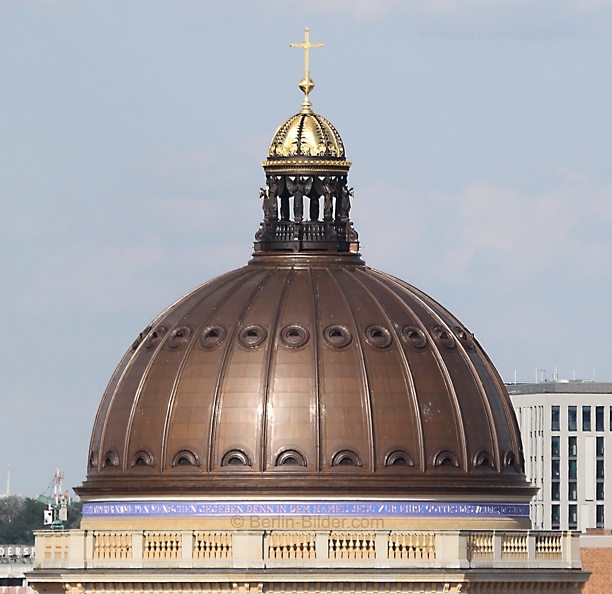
<point x="561" y="387"/>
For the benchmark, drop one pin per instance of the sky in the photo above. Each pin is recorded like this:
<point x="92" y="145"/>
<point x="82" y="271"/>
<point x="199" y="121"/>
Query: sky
<point x="131" y="137"/>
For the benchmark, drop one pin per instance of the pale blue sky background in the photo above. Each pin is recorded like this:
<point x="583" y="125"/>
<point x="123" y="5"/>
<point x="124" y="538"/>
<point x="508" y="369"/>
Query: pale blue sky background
<point x="131" y="135"/>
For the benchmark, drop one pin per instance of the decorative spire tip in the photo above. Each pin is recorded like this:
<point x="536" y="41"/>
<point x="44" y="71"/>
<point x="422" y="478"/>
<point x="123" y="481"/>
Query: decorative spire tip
<point x="306" y="84"/>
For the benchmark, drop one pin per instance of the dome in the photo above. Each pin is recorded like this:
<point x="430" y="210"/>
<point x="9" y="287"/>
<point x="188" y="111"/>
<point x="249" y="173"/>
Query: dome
<point x="306" y="372"/>
<point x="306" y="135"/>
<point x="306" y="142"/>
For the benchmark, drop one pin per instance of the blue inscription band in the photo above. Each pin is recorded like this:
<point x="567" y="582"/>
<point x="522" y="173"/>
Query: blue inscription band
<point x="378" y="508"/>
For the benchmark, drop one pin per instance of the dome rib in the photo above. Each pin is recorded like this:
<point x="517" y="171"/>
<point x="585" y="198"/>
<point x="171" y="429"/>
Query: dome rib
<point x="219" y="393"/>
<point x="406" y="368"/>
<point x="367" y="396"/>
<point x="271" y="367"/>
<point x="316" y="324"/>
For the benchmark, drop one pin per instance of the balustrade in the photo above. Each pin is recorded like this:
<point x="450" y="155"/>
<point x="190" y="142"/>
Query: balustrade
<point x="112" y="545"/>
<point x="212" y="545"/>
<point x="357" y="545"/>
<point x="462" y="548"/>
<point x="412" y="545"/>
<point x="284" y="545"/>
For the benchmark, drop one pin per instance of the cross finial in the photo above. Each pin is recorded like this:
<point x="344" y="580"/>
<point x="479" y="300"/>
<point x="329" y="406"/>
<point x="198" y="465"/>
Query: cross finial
<point x="307" y="84"/>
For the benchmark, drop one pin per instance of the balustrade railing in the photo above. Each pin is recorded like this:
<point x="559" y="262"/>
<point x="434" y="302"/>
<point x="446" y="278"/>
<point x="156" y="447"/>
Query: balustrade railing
<point x="187" y="548"/>
<point x="412" y="545"/>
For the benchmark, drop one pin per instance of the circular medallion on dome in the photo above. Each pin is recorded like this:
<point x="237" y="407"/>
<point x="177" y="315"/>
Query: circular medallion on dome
<point x="155" y="336"/>
<point x="179" y="336"/>
<point x="443" y="337"/>
<point x="294" y="336"/>
<point x="212" y="336"/>
<point x="378" y="336"/>
<point x="465" y="338"/>
<point x="337" y="336"/>
<point x="252" y="336"/>
<point x="414" y="337"/>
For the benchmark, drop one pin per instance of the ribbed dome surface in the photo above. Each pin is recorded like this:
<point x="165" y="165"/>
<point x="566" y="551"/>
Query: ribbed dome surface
<point x="307" y="135"/>
<point x="309" y="374"/>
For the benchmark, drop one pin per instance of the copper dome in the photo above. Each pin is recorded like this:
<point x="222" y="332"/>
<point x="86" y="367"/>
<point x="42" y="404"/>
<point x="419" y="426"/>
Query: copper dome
<point x="306" y="372"/>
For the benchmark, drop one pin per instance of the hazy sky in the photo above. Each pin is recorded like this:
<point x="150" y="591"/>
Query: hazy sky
<point x="131" y="135"/>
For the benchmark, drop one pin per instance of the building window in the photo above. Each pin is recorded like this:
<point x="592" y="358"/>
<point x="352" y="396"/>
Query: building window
<point x="572" y="491"/>
<point x="555" y="469"/>
<point x="599" y="418"/>
<point x="555" y="516"/>
<point x="572" y="516"/>
<point x="599" y="516"/>
<point x="600" y="469"/>
<point x="572" y="447"/>
<point x="555" y="491"/>
<point x="555" y="446"/>
<point x="572" y="469"/>
<point x="586" y="418"/>
<point x="554" y="418"/>
<point x="572" y="424"/>
<point x="600" y="491"/>
<point x="599" y="447"/>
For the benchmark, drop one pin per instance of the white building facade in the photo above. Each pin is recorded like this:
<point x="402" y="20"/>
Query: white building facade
<point x="566" y="429"/>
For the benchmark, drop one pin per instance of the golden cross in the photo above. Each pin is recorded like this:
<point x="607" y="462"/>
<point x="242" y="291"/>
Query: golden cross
<point x="306" y="45"/>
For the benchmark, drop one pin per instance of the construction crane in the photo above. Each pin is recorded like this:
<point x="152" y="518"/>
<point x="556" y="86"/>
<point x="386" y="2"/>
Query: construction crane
<point x="57" y="503"/>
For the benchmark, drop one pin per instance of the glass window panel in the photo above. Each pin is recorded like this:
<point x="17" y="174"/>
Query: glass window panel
<point x="572" y="516"/>
<point x="572" y="446"/>
<point x="600" y="491"/>
<point x="586" y="418"/>
<point x="555" y="446"/>
<point x="554" y="418"/>
<point x="600" y="516"/>
<point x="599" y="418"/>
<point x="555" y="491"/>
<point x="571" y="418"/>
<point x="555" y="468"/>
<point x="572" y="469"/>
<point x="599" y="469"/>
<point x="600" y="446"/>
<point x="555" y="515"/>
<point x="572" y="491"/>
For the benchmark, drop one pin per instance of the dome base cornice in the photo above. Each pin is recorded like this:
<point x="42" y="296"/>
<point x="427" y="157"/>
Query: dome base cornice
<point x="498" y="486"/>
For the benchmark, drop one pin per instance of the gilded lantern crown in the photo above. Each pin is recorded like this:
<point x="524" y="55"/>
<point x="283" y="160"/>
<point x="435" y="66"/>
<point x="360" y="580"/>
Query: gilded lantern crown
<point x="306" y="143"/>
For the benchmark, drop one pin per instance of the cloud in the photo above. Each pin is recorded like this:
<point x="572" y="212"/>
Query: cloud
<point x="366" y="10"/>
<point x="509" y="233"/>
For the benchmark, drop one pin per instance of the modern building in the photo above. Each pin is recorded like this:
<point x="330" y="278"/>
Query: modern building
<point x="306" y="424"/>
<point x="567" y="430"/>
<point x="16" y="560"/>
